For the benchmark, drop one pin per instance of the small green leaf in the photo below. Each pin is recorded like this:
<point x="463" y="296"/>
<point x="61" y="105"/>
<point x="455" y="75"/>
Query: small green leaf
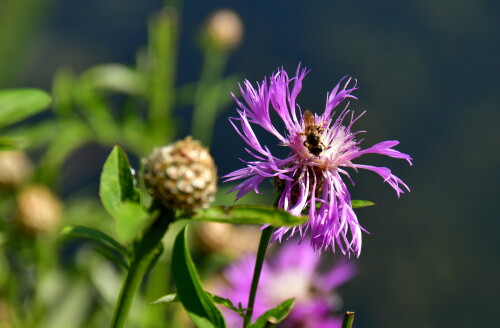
<point x="100" y="237"/>
<point x="248" y="214"/>
<point x="348" y="320"/>
<point x="112" y="257"/>
<point x="18" y="104"/>
<point x="361" y="203"/>
<point x="130" y="220"/>
<point x="172" y="297"/>
<point x="169" y="298"/>
<point x="117" y="182"/>
<point x="275" y="315"/>
<point x="195" y="300"/>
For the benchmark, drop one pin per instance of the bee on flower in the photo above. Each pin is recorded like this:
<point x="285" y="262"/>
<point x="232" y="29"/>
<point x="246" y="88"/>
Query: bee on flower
<point x="322" y="150"/>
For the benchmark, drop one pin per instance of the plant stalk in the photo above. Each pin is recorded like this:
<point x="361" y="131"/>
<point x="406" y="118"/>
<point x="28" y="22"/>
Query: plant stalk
<point x="348" y="320"/>
<point x="145" y="253"/>
<point x="261" y="253"/>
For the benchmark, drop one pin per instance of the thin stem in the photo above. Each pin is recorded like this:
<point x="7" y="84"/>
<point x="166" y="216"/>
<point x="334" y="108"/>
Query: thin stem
<point x="261" y="253"/>
<point x="348" y="320"/>
<point x="146" y="251"/>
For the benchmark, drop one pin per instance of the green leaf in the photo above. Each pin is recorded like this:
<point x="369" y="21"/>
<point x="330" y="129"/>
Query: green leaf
<point x="130" y="220"/>
<point x="18" y="104"/>
<point x="361" y="203"/>
<point x="112" y="257"/>
<point x="172" y="297"/>
<point x="195" y="300"/>
<point x="100" y="237"/>
<point x="348" y="320"/>
<point x="117" y="182"/>
<point x="115" y="77"/>
<point x="248" y="214"/>
<point x="169" y="298"/>
<point x="275" y="315"/>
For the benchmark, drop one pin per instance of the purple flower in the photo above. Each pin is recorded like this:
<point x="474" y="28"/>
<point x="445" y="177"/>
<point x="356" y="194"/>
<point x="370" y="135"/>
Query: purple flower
<point x="321" y="149"/>
<point x="292" y="273"/>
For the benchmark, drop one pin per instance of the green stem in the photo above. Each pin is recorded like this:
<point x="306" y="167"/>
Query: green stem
<point x="348" y="320"/>
<point x="261" y="253"/>
<point x="146" y="251"/>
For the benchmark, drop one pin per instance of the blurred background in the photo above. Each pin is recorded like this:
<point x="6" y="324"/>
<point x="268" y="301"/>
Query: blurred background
<point x="428" y="76"/>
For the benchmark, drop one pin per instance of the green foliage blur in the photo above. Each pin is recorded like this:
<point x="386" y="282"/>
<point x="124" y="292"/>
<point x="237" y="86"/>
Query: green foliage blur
<point x="48" y="279"/>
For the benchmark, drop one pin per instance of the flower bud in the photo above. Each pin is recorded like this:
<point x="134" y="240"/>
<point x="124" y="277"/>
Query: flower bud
<point x="232" y="240"/>
<point x="181" y="175"/>
<point x="38" y="210"/>
<point x="15" y="168"/>
<point x="225" y="28"/>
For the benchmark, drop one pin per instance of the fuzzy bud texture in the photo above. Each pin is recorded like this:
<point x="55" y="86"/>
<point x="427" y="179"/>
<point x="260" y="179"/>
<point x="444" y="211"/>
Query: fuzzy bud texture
<point x="181" y="175"/>
<point x="225" y="28"/>
<point x="39" y="211"/>
<point x="15" y="168"/>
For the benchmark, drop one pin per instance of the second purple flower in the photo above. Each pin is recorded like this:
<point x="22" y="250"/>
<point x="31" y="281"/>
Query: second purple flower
<point x="322" y="147"/>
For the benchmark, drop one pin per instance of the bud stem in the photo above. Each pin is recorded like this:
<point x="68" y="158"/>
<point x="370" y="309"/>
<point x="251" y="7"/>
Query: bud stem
<point x="348" y="320"/>
<point x="144" y="255"/>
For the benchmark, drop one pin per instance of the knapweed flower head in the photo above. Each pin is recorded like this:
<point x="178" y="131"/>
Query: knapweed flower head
<point x="291" y="273"/>
<point x="322" y="148"/>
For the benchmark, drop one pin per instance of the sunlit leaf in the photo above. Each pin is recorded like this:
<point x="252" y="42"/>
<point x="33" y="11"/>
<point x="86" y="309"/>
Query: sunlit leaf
<point x="275" y="315"/>
<point x="18" y="104"/>
<point x="195" y="300"/>
<point x="248" y="214"/>
<point x="361" y="203"/>
<point x="117" y="182"/>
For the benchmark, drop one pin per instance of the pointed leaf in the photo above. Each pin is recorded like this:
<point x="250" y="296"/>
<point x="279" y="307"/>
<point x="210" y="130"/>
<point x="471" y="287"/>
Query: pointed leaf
<point x="361" y="203"/>
<point x="169" y="298"/>
<point x="18" y="104"/>
<point x="117" y="182"/>
<point x="172" y="297"/>
<point x="100" y="237"/>
<point x="248" y="214"/>
<point x="275" y="315"/>
<point x="195" y="300"/>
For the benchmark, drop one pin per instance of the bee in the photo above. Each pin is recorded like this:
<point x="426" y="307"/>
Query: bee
<point x="312" y="132"/>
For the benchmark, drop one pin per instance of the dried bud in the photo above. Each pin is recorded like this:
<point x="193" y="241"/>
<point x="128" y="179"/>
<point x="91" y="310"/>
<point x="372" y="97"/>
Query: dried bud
<point x="233" y="240"/>
<point x="181" y="175"/>
<point x="225" y="28"/>
<point x="38" y="210"/>
<point x="15" y="168"/>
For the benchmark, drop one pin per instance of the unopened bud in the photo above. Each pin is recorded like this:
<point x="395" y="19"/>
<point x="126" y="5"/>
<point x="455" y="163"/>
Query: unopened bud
<point x="225" y="28"/>
<point x="38" y="210"/>
<point x="181" y="175"/>
<point x="15" y="168"/>
<point x="232" y="240"/>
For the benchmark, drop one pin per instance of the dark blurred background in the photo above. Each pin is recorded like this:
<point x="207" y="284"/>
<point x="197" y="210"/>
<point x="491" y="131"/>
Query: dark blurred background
<point x="428" y="76"/>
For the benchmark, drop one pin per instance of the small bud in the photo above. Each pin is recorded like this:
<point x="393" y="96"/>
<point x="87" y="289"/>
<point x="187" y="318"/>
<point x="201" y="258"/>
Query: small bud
<point x="232" y="240"/>
<point x="181" y="175"/>
<point x="38" y="210"/>
<point x="15" y="168"/>
<point x="225" y="28"/>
